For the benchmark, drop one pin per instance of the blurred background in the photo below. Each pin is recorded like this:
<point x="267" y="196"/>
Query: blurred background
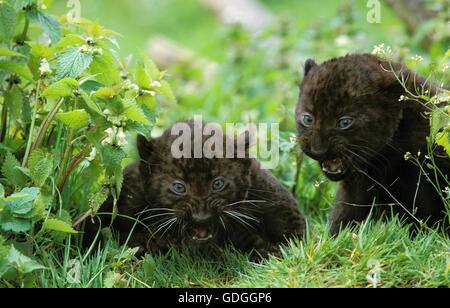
<point x="242" y="60"/>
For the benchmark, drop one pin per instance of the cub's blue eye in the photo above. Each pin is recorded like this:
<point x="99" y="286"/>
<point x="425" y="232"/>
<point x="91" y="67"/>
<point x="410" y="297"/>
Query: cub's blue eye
<point x="178" y="188"/>
<point x="218" y="184"/>
<point x="306" y="120"/>
<point x="344" y="123"/>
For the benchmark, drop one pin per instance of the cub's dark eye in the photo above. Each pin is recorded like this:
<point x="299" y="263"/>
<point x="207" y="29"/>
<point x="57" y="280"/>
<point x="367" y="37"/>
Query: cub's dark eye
<point x="178" y="188"/>
<point x="306" y="120"/>
<point x="218" y="184"/>
<point x="344" y="123"/>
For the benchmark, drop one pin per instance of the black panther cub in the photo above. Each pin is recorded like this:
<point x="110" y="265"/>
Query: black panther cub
<point x="202" y="202"/>
<point x="350" y="118"/>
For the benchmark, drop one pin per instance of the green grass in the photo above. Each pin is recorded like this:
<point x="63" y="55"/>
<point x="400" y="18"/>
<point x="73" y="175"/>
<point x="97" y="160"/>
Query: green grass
<point x="422" y="260"/>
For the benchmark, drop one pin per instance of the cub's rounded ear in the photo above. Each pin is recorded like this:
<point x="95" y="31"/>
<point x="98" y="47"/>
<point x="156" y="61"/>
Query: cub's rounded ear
<point x="145" y="147"/>
<point x="309" y="63"/>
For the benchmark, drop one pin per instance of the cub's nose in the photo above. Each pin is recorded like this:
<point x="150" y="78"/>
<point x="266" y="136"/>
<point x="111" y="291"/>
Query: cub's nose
<point x="317" y="152"/>
<point x="202" y="219"/>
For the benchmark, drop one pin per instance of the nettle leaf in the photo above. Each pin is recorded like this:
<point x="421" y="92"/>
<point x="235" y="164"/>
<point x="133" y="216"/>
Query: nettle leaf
<point x="49" y="23"/>
<point x="105" y="68"/>
<point x="58" y="225"/>
<point x="148" y="100"/>
<point x="12" y="174"/>
<point x="9" y="53"/>
<point x="150" y="66"/>
<point x="14" y="224"/>
<point x="90" y="103"/>
<point x="112" y="158"/>
<point x="8" y="20"/>
<point x="134" y="112"/>
<point x="16" y="68"/>
<point x="142" y="79"/>
<point x="105" y="93"/>
<point x="97" y="198"/>
<point x="63" y="87"/>
<point x="74" y="119"/>
<point x="443" y="139"/>
<point x="20" y="4"/>
<point x="70" y="40"/>
<point x="40" y="167"/>
<point x="21" y="262"/>
<point x="166" y="90"/>
<point x="72" y="63"/>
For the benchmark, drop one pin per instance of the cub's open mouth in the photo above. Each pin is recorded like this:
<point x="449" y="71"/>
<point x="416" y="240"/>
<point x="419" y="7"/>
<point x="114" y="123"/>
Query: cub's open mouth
<point x="333" y="166"/>
<point x="202" y="233"/>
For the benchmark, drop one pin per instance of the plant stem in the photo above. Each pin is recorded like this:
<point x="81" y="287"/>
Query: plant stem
<point x="47" y="120"/>
<point x="33" y="119"/>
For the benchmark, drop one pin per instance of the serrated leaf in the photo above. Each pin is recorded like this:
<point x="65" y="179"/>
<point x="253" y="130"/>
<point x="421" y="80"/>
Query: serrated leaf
<point x="112" y="158"/>
<point x="142" y="79"/>
<point x="111" y="279"/>
<point x="150" y="66"/>
<point x="97" y="198"/>
<point x="15" y="224"/>
<point x="49" y="23"/>
<point x="148" y="100"/>
<point x="58" y="225"/>
<point x="105" y="69"/>
<point x="20" y="4"/>
<point x="443" y="139"/>
<point x="21" y="262"/>
<point x="70" y="40"/>
<point x="40" y="167"/>
<point x="10" y="53"/>
<point x="166" y="90"/>
<point x="58" y="89"/>
<point x="105" y="93"/>
<point x="16" y="68"/>
<point x="90" y="103"/>
<point x="135" y="113"/>
<point x="8" y="20"/>
<point x="74" y="119"/>
<point x="72" y="63"/>
<point x="12" y="174"/>
<point x="37" y="210"/>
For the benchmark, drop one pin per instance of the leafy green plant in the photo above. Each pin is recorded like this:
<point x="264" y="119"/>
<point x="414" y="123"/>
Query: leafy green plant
<point x="68" y="102"/>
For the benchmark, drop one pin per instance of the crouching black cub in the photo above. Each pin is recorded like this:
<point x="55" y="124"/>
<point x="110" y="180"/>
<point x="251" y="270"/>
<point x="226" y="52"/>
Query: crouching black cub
<point x="203" y="202"/>
<point x="350" y="118"/>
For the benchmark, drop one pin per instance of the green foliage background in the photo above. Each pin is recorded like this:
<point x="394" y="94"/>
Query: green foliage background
<point x="67" y="133"/>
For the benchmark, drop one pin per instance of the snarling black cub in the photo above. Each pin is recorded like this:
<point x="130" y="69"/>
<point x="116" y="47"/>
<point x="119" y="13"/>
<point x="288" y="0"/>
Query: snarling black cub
<point x="350" y="118"/>
<point x="206" y="202"/>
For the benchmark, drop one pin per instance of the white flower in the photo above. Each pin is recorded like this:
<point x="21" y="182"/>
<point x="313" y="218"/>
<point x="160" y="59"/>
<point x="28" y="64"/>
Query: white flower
<point x="92" y="155"/>
<point x="378" y="49"/>
<point x="44" y="68"/>
<point x="116" y="136"/>
<point x="152" y="93"/>
<point x="417" y="58"/>
<point x="407" y="155"/>
<point x="444" y="67"/>
<point x="121" y="137"/>
<point x="155" y="84"/>
<point x="109" y="139"/>
<point x="402" y="98"/>
<point x="293" y="139"/>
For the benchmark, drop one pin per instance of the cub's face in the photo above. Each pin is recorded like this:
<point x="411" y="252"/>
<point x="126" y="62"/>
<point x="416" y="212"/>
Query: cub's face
<point x="345" y="115"/>
<point x="190" y="198"/>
